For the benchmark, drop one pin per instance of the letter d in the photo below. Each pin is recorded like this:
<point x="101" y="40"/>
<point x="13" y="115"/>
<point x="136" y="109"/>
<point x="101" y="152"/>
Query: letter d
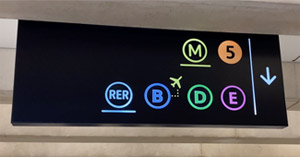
<point x="203" y="96"/>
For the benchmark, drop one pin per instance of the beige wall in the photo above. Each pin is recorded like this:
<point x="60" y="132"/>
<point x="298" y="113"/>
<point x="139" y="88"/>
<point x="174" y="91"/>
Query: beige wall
<point x="7" y="64"/>
<point x="147" y="150"/>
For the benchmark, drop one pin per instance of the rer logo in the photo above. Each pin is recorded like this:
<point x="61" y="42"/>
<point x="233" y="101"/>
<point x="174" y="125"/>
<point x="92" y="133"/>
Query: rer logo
<point x="200" y="97"/>
<point x="157" y="96"/>
<point x="195" y="51"/>
<point x="118" y="95"/>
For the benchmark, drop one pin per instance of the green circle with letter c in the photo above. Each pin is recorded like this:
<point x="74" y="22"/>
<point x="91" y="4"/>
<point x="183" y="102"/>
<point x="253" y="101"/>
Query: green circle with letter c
<point x="193" y="51"/>
<point x="203" y="97"/>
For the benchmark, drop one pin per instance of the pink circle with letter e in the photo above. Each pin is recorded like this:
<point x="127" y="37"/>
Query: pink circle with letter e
<point x="233" y="97"/>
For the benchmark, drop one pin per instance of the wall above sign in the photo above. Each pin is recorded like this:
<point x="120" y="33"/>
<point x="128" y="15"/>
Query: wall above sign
<point x="72" y="74"/>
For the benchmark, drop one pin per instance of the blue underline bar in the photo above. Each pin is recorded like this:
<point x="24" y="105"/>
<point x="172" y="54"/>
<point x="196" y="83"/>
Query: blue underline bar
<point x="118" y="111"/>
<point x="252" y="77"/>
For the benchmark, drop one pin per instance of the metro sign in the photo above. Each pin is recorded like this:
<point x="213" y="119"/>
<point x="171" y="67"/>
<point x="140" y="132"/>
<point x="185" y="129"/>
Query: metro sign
<point x="73" y="74"/>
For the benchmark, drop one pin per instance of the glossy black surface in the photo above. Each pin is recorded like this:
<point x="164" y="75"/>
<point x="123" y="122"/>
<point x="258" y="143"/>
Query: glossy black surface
<point x="62" y="71"/>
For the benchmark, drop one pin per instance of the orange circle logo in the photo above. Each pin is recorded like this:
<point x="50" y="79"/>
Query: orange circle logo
<point x="230" y="52"/>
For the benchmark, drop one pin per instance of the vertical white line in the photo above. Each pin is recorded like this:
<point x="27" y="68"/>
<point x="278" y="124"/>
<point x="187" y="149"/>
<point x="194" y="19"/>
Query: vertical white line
<point x="252" y="78"/>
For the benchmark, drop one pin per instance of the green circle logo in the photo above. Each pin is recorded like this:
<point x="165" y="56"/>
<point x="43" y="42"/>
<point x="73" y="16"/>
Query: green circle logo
<point x="197" y="93"/>
<point x="192" y="51"/>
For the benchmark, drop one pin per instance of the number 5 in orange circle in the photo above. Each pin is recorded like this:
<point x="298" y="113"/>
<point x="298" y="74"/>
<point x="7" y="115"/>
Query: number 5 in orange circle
<point x="230" y="52"/>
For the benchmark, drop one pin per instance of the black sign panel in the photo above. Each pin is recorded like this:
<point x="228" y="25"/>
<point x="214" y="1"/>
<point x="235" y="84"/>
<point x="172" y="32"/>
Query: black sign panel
<point x="73" y="74"/>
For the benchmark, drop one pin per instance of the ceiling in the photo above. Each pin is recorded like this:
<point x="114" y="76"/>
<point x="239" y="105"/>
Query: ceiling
<point x="246" y="16"/>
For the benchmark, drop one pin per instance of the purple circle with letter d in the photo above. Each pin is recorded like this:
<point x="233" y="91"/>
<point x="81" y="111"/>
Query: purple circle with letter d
<point x="232" y="96"/>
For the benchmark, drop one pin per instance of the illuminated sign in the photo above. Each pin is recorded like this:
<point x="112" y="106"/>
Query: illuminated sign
<point x="73" y="74"/>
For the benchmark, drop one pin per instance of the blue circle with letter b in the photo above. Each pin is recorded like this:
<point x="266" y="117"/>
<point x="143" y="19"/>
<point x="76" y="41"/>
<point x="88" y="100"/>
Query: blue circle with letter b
<point x="157" y="96"/>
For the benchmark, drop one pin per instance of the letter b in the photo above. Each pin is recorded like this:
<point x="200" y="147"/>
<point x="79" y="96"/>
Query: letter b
<point x="157" y="96"/>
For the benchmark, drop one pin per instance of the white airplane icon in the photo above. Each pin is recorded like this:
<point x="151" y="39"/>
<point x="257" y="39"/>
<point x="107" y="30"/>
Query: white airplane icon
<point x="176" y="82"/>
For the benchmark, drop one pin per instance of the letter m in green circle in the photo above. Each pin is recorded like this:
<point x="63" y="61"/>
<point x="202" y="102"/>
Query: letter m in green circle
<point x="192" y="51"/>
